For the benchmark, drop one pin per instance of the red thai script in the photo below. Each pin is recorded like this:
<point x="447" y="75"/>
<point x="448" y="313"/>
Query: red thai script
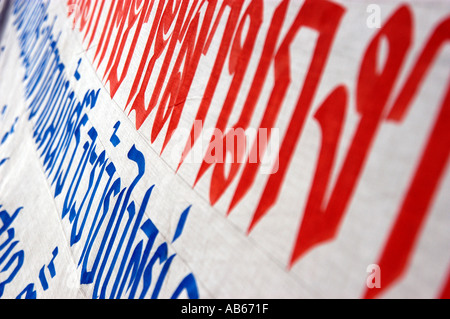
<point x="445" y="293"/>
<point x="432" y="164"/>
<point x="180" y="32"/>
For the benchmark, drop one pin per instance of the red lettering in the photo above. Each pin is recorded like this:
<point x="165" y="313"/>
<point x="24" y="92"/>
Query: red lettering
<point x="330" y="116"/>
<point x="310" y="15"/>
<point x="181" y="79"/>
<point x="168" y="17"/>
<point x="160" y="44"/>
<point x="121" y="39"/>
<point x="94" y="30"/>
<point x="255" y="90"/>
<point x="445" y="293"/>
<point x="235" y="9"/>
<point x="116" y="20"/>
<point x="145" y="70"/>
<point x="239" y="55"/>
<point x="183" y="36"/>
<point x="373" y="91"/>
<point x="431" y="167"/>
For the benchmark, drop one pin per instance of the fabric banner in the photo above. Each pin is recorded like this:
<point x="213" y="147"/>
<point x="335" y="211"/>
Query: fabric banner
<point x="224" y="149"/>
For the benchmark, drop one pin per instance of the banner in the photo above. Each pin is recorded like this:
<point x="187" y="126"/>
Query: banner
<point x="220" y="149"/>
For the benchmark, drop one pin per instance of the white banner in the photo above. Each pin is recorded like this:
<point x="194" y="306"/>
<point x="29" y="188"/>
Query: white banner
<point x="224" y="149"/>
